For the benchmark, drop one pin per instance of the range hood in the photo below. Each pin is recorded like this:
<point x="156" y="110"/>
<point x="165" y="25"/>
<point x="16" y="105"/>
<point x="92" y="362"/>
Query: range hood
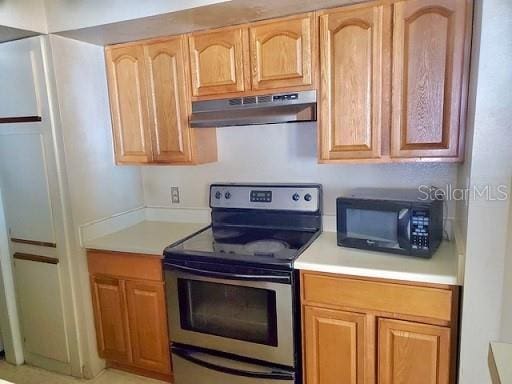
<point x="249" y="110"/>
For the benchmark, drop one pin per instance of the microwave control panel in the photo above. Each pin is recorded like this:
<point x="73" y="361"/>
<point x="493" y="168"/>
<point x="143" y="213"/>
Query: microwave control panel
<point x="420" y="223"/>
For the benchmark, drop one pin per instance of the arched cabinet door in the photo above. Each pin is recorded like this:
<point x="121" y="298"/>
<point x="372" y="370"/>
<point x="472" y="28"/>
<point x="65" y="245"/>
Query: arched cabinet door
<point x="166" y="64"/>
<point x="217" y="62"/>
<point x="282" y="53"/>
<point x="128" y="102"/>
<point x="354" y="86"/>
<point x="429" y="65"/>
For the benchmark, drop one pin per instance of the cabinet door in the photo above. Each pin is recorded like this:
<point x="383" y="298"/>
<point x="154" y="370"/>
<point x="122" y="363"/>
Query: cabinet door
<point x="128" y="103"/>
<point x="354" y="65"/>
<point x="148" y="325"/>
<point x="428" y="67"/>
<point x="41" y="312"/>
<point x="338" y="347"/>
<point x="413" y="353"/>
<point x="217" y="62"/>
<point x="166" y="66"/>
<point x="281" y="53"/>
<point x="111" y="318"/>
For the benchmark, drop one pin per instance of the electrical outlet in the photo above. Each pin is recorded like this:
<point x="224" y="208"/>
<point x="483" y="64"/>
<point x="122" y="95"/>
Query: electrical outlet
<point x="175" y="195"/>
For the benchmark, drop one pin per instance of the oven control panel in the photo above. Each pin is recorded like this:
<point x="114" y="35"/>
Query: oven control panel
<point x="288" y="197"/>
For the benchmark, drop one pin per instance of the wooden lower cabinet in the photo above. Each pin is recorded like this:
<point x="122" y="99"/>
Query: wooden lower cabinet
<point x="413" y="353"/>
<point x="109" y="303"/>
<point x="351" y="337"/>
<point x="130" y="313"/>
<point x="148" y="325"/>
<point x="337" y="347"/>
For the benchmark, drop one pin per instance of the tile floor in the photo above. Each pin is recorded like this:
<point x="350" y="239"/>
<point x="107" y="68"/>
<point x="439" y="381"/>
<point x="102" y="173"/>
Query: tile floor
<point x="31" y="375"/>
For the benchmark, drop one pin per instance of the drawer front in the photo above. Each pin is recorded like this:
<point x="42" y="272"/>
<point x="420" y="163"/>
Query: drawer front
<point x="435" y="303"/>
<point x="127" y="265"/>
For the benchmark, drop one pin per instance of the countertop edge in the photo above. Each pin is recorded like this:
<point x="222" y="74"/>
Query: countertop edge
<point x="375" y="273"/>
<point x="97" y="247"/>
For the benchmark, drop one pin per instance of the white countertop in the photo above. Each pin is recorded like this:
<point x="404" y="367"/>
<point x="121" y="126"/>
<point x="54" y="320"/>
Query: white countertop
<point x="324" y="255"/>
<point x="501" y="359"/>
<point x="148" y="237"/>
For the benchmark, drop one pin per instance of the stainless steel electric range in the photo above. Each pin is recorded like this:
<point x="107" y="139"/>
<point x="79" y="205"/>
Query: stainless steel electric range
<point x="232" y="294"/>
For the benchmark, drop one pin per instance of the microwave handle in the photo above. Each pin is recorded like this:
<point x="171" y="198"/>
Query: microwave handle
<point x="404" y="228"/>
<point x="231" y="368"/>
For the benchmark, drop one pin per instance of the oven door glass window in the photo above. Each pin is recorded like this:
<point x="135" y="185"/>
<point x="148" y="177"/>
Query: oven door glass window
<point x="231" y="311"/>
<point x="380" y="226"/>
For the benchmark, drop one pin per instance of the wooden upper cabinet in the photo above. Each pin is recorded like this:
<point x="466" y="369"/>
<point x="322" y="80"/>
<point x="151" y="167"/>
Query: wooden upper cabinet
<point x="430" y="44"/>
<point x="338" y="348"/>
<point x="218" y="60"/>
<point x="282" y="53"/>
<point x="128" y="102"/>
<point x="167" y="74"/>
<point x="148" y="325"/>
<point x="354" y="91"/>
<point x="413" y="353"/>
<point x="109" y="304"/>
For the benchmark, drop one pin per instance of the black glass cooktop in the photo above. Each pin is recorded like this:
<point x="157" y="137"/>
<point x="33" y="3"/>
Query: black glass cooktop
<point x="243" y="244"/>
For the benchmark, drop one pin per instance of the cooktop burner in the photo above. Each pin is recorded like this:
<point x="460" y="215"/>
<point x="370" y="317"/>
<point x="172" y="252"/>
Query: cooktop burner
<point x="266" y="247"/>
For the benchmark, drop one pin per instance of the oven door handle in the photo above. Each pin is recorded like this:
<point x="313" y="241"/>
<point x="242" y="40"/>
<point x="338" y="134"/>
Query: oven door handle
<point x="265" y="373"/>
<point x="228" y="276"/>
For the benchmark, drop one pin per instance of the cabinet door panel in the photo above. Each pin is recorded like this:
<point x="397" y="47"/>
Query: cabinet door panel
<point x="128" y="101"/>
<point x="413" y="353"/>
<point x="28" y="207"/>
<point x="338" y="348"/>
<point x="39" y="298"/>
<point x="353" y="62"/>
<point x="148" y="325"/>
<point x="168" y="102"/>
<point x="109" y="303"/>
<point x="428" y="64"/>
<point x="281" y="53"/>
<point x="217" y="62"/>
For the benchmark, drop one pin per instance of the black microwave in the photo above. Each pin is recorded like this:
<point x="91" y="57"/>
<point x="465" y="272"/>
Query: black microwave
<point x="407" y="222"/>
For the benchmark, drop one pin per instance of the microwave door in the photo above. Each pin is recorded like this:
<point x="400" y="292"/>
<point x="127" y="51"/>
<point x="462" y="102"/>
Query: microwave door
<point x="374" y="226"/>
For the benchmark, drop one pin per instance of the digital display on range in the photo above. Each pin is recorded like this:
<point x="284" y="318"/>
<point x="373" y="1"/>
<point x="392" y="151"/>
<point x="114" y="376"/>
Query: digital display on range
<point x="261" y="196"/>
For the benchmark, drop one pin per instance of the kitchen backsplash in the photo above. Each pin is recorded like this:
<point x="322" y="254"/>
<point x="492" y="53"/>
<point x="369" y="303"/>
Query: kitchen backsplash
<point x="282" y="153"/>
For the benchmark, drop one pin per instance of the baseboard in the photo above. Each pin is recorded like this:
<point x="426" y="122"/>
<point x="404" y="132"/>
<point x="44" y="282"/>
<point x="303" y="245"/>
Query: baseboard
<point x="141" y="372"/>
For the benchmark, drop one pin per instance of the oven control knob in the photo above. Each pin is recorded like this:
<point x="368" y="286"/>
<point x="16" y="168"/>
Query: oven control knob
<point x="218" y="195"/>
<point x="227" y="195"/>
<point x="296" y="197"/>
<point x="308" y="197"/>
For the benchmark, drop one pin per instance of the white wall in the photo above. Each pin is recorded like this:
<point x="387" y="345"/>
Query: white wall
<point x="65" y="15"/>
<point x="97" y="188"/>
<point x="506" y="318"/>
<point x="281" y="153"/>
<point x="490" y="116"/>
<point x="23" y="14"/>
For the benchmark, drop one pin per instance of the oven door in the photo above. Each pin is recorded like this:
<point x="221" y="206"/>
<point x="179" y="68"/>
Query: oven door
<point x="247" y="314"/>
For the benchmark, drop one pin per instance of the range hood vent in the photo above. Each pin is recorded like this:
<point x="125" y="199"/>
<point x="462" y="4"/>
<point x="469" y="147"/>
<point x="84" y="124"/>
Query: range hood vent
<point x="249" y="110"/>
